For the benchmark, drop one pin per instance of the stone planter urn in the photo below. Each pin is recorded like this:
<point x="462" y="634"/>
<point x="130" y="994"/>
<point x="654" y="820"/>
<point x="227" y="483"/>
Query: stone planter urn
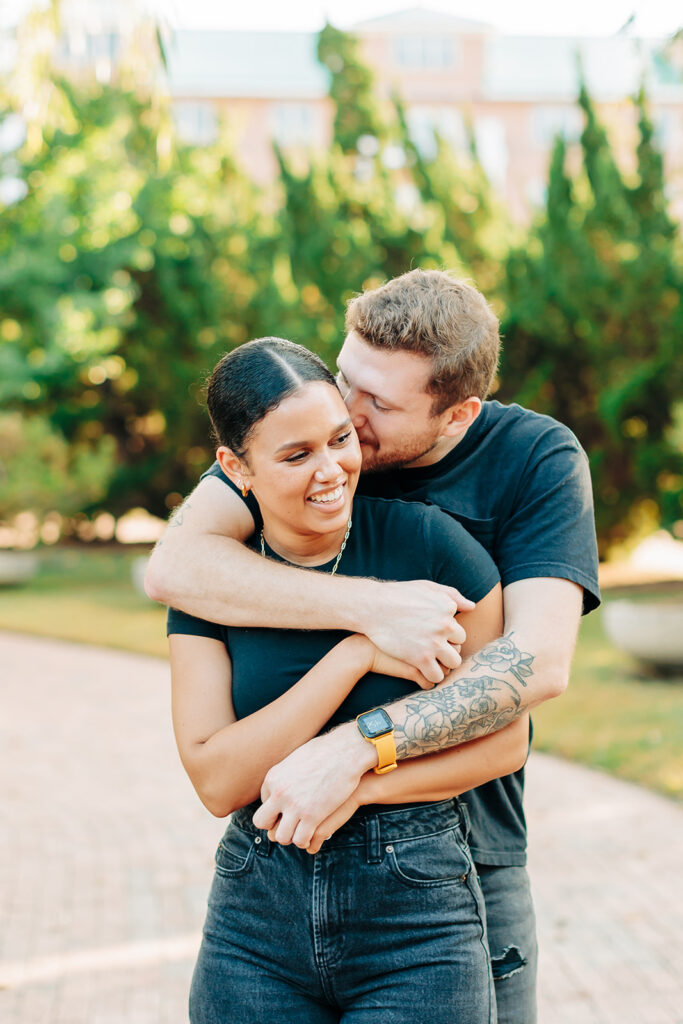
<point x="17" y="567"/>
<point x="650" y="630"/>
<point x="643" y="614"/>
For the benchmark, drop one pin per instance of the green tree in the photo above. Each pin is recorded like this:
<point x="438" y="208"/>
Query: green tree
<point x="123" y="275"/>
<point x="454" y="187"/>
<point x="593" y="323"/>
<point x="351" y="90"/>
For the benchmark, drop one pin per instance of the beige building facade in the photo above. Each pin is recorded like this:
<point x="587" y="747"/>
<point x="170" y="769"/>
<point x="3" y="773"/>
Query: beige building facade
<point x="515" y="93"/>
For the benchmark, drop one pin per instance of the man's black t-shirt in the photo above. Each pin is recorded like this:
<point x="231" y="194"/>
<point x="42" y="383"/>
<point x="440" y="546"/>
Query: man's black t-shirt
<point x="390" y="540"/>
<point x="519" y="483"/>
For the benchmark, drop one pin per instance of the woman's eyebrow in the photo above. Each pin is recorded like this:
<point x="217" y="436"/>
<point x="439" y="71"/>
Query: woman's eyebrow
<point x="302" y="444"/>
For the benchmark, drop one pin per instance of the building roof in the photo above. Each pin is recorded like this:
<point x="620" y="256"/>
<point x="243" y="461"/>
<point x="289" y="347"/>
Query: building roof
<point x="284" y="65"/>
<point x="421" y="20"/>
<point x="252" y="64"/>
<point x="538" y="68"/>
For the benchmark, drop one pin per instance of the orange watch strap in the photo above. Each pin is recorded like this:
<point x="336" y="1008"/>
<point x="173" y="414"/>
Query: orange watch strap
<point x="386" y="753"/>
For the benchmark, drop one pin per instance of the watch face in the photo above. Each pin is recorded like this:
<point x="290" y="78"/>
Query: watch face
<point x="375" y="723"/>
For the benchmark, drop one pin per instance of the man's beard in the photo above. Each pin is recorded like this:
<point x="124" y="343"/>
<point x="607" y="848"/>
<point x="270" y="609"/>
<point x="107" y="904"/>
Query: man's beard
<point x="379" y="462"/>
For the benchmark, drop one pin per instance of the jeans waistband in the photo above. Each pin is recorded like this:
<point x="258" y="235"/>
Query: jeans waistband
<point x="376" y="829"/>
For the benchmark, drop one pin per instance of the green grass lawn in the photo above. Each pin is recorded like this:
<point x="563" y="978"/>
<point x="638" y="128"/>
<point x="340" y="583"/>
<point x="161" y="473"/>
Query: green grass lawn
<point x="612" y="717"/>
<point x="87" y="596"/>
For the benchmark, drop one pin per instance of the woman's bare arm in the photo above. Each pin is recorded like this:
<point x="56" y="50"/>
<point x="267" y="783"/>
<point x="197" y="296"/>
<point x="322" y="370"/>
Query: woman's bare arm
<point x="227" y="759"/>
<point x="448" y="772"/>
<point x="315" y="781"/>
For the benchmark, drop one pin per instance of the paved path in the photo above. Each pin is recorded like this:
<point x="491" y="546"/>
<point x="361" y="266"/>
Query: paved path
<point x="106" y="865"/>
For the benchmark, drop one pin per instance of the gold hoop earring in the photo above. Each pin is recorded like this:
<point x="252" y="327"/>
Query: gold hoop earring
<point x="243" y="488"/>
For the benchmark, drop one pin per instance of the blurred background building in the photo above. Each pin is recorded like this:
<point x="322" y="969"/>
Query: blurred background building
<point x="515" y="93"/>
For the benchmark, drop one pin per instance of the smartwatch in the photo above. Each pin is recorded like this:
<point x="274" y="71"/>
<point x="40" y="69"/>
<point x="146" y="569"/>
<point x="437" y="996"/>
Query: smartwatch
<point x="377" y="728"/>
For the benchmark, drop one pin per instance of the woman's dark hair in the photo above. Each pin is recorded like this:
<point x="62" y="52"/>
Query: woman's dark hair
<point x="253" y="379"/>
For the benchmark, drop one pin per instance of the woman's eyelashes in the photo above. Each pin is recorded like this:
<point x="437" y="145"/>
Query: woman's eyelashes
<point x="337" y="442"/>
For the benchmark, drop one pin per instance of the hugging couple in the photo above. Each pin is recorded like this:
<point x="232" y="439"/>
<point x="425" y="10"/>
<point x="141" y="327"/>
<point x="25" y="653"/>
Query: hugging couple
<point x="378" y="578"/>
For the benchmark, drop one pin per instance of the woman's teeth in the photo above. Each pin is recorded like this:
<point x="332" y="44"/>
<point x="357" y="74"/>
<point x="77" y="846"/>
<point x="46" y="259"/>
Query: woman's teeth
<point x="327" y="497"/>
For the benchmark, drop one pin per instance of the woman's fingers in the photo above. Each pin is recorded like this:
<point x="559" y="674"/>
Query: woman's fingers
<point x="332" y="822"/>
<point x="283" y="832"/>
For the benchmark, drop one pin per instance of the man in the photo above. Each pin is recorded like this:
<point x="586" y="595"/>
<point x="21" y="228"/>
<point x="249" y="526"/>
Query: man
<point x="415" y="369"/>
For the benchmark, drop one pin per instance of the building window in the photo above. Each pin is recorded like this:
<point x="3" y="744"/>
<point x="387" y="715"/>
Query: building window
<point x="491" y="143"/>
<point x="426" y="123"/>
<point x="293" y="124"/>
<point x="79" y="48"/>
<point x="424" y="51"/>
<point x="196" y="123"/>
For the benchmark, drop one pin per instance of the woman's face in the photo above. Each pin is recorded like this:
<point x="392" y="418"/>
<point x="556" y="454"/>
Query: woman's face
<point x="304" y="461"/>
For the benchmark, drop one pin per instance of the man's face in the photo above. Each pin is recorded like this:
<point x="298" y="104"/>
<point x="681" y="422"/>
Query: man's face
<point x="386" y="395"/>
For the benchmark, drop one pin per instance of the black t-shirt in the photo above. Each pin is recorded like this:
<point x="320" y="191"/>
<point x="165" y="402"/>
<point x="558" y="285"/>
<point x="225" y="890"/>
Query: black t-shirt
<point x="520" y="484"/>
<point x="389" y="540"/>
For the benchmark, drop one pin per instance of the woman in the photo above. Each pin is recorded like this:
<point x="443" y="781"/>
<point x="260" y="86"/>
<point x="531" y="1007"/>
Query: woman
<point x="387" y="916"/>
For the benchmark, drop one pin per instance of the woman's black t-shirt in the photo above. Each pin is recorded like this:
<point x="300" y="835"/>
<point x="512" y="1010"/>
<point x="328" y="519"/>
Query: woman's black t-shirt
<point x="389" y="540"/>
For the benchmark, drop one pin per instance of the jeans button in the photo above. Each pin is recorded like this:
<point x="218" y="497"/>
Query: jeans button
<point x="389" y="849"/>
<point x="257" y="840"/>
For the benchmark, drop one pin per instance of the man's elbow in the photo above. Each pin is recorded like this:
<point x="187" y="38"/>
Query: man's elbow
<point x="158" y="582"/>
<point x="556" y="681"/>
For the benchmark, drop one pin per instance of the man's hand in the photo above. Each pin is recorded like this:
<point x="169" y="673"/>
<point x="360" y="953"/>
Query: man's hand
<point x="415" y="622"/>
<point x="301" y="791"/>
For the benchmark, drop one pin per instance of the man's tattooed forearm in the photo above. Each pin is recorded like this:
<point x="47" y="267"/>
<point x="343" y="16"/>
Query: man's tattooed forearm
<point x="467" y="706"/>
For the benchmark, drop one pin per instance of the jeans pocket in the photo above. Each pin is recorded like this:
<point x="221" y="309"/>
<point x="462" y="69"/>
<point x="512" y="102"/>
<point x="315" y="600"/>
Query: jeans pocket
<point x="235" y="853"/>
<point x="441" y="859"/>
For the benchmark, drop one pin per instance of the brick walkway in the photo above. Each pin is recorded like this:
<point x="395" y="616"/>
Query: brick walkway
<point x="106" y="865"/>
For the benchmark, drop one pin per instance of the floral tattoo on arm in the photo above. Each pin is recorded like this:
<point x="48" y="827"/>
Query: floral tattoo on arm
<point x="485" y="700"/>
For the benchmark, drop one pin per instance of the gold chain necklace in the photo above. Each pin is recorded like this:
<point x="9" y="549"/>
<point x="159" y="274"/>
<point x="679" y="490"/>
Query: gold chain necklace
<point x="337" y="559"/>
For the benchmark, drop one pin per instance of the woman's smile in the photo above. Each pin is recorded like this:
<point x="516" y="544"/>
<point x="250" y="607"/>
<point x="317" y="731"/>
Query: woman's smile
<point x="329" y="501"/>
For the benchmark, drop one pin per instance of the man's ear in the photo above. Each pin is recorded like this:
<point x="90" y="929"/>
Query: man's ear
<point x="233" y="467"/>
<point x="460" y="417"/>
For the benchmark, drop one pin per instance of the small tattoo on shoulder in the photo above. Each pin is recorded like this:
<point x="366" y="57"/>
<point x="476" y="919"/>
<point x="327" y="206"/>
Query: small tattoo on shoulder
<point x="178" y="514"/>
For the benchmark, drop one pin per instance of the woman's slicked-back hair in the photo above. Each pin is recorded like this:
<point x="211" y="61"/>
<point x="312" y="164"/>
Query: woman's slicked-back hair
<point x="253" y="379"/>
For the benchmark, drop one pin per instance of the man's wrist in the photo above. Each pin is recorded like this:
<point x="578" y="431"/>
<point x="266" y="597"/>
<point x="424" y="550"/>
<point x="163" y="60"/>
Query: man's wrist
<point x="361" y="597"/>
<point x="362" y="753"/>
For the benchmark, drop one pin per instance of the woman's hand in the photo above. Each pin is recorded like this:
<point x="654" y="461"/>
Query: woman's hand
<point x="387" y="665"/>
<point x="368" y="791"/>
<point x="330" y="825"/>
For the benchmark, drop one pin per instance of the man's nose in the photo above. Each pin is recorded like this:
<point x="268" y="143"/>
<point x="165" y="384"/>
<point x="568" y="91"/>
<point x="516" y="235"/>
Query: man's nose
<point x="355" y="407"/>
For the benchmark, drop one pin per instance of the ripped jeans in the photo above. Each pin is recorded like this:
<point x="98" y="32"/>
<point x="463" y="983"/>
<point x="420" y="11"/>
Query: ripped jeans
<point x="511" y="927"/>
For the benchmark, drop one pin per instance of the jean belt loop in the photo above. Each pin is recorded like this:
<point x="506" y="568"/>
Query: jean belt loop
<point x="373" y="850"/>
<point x="464" y="819"/>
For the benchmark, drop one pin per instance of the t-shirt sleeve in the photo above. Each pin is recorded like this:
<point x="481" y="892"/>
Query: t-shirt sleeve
<point x="455" y="557"/>
<point x="551" y="531"/>
<point x="190" y="625"/>
<point x="250" y="501"/>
